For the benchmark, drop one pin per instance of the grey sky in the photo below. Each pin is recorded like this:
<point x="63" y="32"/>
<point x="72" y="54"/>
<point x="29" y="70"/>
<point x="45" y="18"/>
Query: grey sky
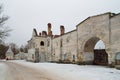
<point x="28" y="14"/>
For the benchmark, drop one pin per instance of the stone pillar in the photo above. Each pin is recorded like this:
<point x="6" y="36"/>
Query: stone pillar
<point x="111" y="58"/>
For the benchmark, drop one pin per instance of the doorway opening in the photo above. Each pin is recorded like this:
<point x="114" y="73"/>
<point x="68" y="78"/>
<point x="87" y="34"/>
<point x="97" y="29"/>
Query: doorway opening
<point x="95" y="50"/>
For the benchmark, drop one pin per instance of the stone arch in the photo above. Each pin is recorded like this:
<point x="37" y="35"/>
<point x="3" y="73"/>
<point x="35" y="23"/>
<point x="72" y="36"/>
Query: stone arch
<point x="91" y="38"/>
<point x="90" y="44"/>
<point x="89" y="55"/>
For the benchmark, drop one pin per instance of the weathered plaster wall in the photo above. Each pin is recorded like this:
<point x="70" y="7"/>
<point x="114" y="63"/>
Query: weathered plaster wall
<point x="69" y="48"/>
<point x="115" y="35"/>
<point x="65" y="47"/>
<point x="56" y="49"/>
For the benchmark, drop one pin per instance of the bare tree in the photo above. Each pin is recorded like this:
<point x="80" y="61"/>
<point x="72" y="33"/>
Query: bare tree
<point x="3" y="49"/>
<point x="24" y="48"/>
<point x="4" y="31"/>
<point x="14" y="48"/>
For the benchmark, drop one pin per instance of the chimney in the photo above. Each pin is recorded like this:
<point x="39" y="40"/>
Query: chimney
<point x="40" y="34"/>
<point x="62" y="30"/>
<point x="49" y="29"/>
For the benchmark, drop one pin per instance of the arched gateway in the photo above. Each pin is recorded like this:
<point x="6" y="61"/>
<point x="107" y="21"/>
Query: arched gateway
<point x="105" y="27"/>
<point x="99" y="57"/>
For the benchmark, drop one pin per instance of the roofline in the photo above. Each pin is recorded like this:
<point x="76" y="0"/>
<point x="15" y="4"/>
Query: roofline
<point x="94" y="16"/>
<point x="70" y="32"/>
<point x="115" y="15"/>
<point x="82" y="21"/>
<point x="66" y="33"/>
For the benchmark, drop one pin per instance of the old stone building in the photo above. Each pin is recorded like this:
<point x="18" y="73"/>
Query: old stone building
<point x="77" y="46"/>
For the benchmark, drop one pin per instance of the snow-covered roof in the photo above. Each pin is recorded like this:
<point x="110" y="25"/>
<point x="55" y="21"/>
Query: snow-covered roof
<point x="9" y="50"/>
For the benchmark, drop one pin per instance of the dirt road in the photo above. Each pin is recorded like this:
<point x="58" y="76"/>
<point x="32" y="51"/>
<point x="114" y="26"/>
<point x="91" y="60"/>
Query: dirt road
<point x="19" y="72"/>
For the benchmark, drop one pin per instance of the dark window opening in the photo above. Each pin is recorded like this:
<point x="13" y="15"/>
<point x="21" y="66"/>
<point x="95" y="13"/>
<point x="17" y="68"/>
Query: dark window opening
<point x="41" y="43"/>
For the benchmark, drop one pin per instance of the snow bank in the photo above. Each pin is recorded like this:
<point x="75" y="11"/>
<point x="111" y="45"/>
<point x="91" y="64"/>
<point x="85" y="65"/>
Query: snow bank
<point x="75" y="72"/>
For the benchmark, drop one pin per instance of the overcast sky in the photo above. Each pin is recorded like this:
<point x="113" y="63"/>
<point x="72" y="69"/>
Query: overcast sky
<point x="28" y="14"/>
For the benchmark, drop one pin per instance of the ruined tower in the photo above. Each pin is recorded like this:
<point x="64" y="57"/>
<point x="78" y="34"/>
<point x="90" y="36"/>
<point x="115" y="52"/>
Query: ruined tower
<point x="62" y="30"/>
<point x="49" y="29"/>
<point x="34" y="34"/>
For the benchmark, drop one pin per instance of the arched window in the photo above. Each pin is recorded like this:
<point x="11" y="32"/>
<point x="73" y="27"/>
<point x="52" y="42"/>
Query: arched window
<point x="41" y="43"/>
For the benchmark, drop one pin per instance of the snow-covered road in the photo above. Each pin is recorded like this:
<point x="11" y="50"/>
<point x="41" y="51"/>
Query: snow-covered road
<point x="14" y="71"/>
<point x="54" y="71"/>
<point x="3" y="71"/>
<point x="20" y="72"/>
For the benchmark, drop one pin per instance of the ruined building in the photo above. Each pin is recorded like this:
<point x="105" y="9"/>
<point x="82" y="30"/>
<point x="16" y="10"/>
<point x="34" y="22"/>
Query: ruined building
<point x="77" y="46"/>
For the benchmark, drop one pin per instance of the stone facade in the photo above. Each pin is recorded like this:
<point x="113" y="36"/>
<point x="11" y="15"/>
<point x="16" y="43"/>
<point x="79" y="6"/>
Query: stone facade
<point x="78" y="45"/>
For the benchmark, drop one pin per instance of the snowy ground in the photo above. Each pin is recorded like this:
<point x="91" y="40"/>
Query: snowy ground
<point x="3" y="70"/>
<point x="70" y="71"/>
<point x="76" y="72"/>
